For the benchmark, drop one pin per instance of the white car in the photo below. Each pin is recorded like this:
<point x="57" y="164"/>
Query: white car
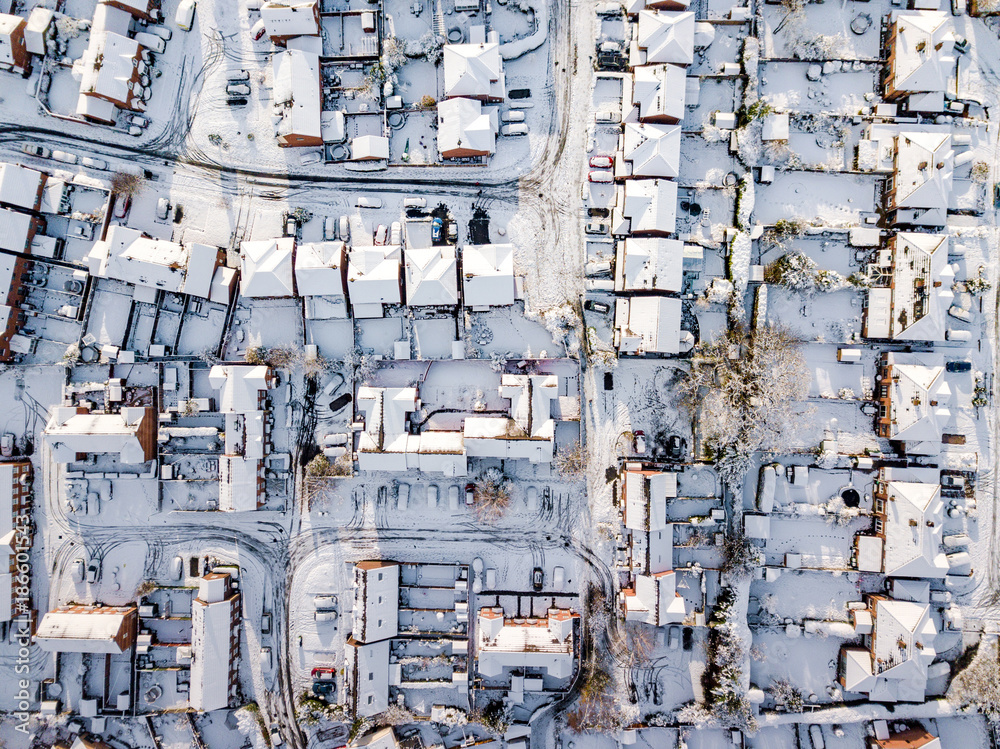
<point x="161" y="31"/>
<point x="151" y="42"/>
<point x="517" y="128"/>
<point x="364" y="201"/>
<point x="66" y="158"/>
<point x="138" y="120"/>
<point x="78" y="570"/>
<point x="185" y="15"/>
<point x="162" y="209"/>
<point x="396" y="233"/>
<point x="93" y="163"/>
<point x="415" y="203"/>
<point x="310" y="157"/>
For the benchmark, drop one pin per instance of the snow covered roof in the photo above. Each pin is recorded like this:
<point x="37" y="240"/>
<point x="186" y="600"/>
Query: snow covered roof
<point x="297" y="93"/>
<point x="384" y="739"/>
<point x="919" y="397"/>
<point x="923" y="48"/>
<point x="108" y="65"/>
<point x="776" y="127"/>
<point x="319" y="268"/>
<point x="369" y="148"/>
<point x="266" y="268"/>
<point x="212" y="649"/>
<point x="15" y="230"/>
<point x="913" y="529"/>
<point x="20" y="186"/>
<point x="474" y="71"/>
<point x="654" y="600"/>
<point x="925" y="164"/>
<point x="649" y="264"/>
<point x="648" y="325"/>
<point x="666" y="36"/>
<point x="488" y="275"/>
<point x="530" y="643"/>
<point x="653" y="150"/>
<point x="128" y="255"/>
<point x="239" y="489"/>
<point x="650" y="206"/>
<point x="373" y="275"/>
<point x="9" y="24"/>
<point x="659" y="92"/>
<point x="466" y="128"/>
<point x="431" y="276"/>
<point x="240" y="386"/>
<point x="375" y="614"/>
<point x="286" y="19"/>
<point x="902" y="649"/>
<point x="921" y="289"/>
<point x="367" y="676"/>
<point x="130" y="433"/>
<point x="87" y="629"/>
<point x="646" y="494"/>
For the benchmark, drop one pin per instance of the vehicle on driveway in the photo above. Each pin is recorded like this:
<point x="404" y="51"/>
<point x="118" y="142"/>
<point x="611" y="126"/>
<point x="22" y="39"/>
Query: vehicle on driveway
<point x="537" y="578"/>
<point x="958" y="366"/>
<point x="593" y="305"/>
<point x="602" y="162"/>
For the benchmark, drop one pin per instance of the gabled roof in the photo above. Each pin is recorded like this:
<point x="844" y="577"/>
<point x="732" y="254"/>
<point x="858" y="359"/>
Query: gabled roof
<point x="488" y="275"/>
<point x="667" y="36"/>
<point x="266" y="268"/>
<point x="654" y="600"/>
<point x="922" y="281"/>
<point x="14" y="230"/>
<point x="925" y="164"/>
<point x="464" y="124"/>
<point x="240" y="386"/>
<point x="653" y="150"/>
<point x="924" y="46"/>
<point x="913" y="529"/>
<point x="297" y="92"/>
<point x="319" y="269"/>
<point x="19" y="186"/>
<point x="919" y="396"/>
<point x="282" y="19"/>
<point x="431" y="276"/>
<point x="648" y="325"/>
<point x="473" y="70"/>
<point x="649" y="264"/>
<point x="373" y="275"/>
<point x="650" y="205"/>
<point x="659" y="91"/>
<point x="903" y="649"/>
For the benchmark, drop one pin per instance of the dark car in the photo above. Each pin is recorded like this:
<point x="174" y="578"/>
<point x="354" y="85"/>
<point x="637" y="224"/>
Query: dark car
<point x="323" y="688"/>
<point x="958" y="366"/>
<point x="595" y="306"/>
<point x="340" y="402"/>
<point x="537" y="578"/>
<point x="598" y="212"/>
<point x="437" y="225"/>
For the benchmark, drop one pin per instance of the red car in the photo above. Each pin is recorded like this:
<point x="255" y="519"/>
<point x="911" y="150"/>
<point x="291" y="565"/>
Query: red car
<point x="324" y="673"/>
<point x="602" y="162"/>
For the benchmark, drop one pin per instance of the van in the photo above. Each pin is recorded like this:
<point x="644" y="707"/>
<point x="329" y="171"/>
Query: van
<point x="515" y="115"/>
<point x="607" y="116"/>
<point x="185" y="14"/>
<point x="151" y="42"/>
<point x="330" y="228"/>
<point x="953" y="334"/>
<point x="415" y="203"/>
<point x="518" y="128"/>
<point x="345" y="229"/>
<point x="364" y="201"/>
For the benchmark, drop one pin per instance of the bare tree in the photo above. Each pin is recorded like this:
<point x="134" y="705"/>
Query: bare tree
<point x="127" y="184"/>
<point x="491" y="494"/>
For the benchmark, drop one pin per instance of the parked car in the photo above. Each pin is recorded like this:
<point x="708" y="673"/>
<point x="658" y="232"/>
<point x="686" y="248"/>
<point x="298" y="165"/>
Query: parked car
<point x="258" y="30"/>
<point x="601" y="177"/>
<point x="138" y="120"/>
<point x="340" y="402"/>
<point x="329" y="228"/>
<point x="537" y="578"/>
<point x="598" y="212"/>
<point x="958" y="366"/>
<point x="161" y="31"/>
<point x="185" y="15"/>
<point x="65" y="158"/>
<point x="134" y="131"/>
<point x="380" y="234"/>
<point x="517" y="128"/>
<point x="324" y="602"/>
<point x="593" y="305"/>
<point x="122" y="206"/>
<point x="674" y="637"/>
<point x="93" y="163"/>
<point x="396" y="233"/>
<point x="32" y="150"/>
<point x="266" y="662"/>
<point x="415" y="202"/>
<point x="602" y="162"/>
<point x="310" y="157"/>
<point x="323" y="688"/>
<point x="7" y="445"/>
<point x="437" y="225"/>
<point x="470" y="494"/>
<point x="82" y="230"/>
<point x="959" y="313"/>
<point x="596" y="227"/>
<point x="77" y="571"/>
<point x="276" y="739"/>
<point x="364" y="201"/>
<point x="452" y="231"/>
<point x="238" y="89"/>
<point x="323" y="673"/>
<point x="93" y="572"/>
<point x="558" y="577"/>
<point x="597" y="268"/>
<point x="345" y="229"/>
<point x="151" y="42"/>
<point x="640" y="441"/>
<point x="162" y="209"/>
<point x="515" y="115"/>
<point x="291" y="226"/>
<point x="608" y="116"/>
<point x="240" y="76"/>
<point x="816" y="737"/>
